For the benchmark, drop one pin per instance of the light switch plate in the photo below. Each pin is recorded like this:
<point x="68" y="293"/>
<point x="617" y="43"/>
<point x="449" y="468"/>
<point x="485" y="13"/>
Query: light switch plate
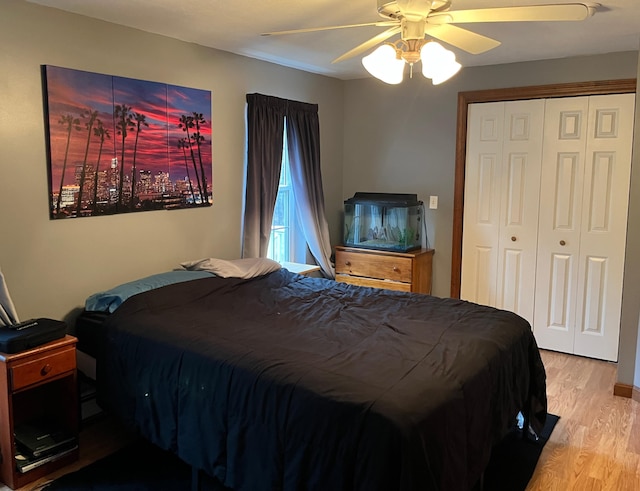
<point x="433" y="202"/>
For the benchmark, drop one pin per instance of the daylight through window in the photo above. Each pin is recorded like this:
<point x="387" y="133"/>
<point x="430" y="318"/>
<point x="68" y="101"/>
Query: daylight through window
<point x="283" y="225"/>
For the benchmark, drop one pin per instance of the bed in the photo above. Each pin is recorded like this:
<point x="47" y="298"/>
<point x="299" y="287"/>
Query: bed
<point x="286" y="382"/>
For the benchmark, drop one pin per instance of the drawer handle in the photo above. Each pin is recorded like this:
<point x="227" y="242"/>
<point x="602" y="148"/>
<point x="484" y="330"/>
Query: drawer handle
<point x="562" y="242"/>
<point x="45" y="369"/>
<point x="514" y="238"/>
<point x="395" y="268"/>
<point x="347" y="263"/>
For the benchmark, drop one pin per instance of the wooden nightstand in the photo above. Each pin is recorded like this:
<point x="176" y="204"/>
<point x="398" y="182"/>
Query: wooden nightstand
<point x="37" y="385"/>
<point x="404" y="271"/>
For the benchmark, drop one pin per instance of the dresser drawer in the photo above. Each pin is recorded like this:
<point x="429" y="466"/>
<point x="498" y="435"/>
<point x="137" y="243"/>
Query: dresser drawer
<point x="378" y="266"/>
<point x="43" y="368"/>
<point x="374" y="283"/>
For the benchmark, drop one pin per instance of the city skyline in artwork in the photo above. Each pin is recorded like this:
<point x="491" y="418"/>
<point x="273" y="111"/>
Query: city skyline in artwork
<point x="119" y="145"/>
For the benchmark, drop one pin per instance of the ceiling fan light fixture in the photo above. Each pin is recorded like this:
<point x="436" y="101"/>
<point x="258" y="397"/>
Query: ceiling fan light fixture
<point x="446" y="72"/>
<point x="384" y="64"/>
<point x="415" y="19"/>
<point x="438" y="64"/>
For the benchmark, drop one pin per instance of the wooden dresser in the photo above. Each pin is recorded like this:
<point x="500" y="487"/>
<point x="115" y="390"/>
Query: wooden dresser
<point x="404" y="271"/>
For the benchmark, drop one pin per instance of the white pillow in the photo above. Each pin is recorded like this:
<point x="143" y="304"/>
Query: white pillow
<point x="233" y="268"/>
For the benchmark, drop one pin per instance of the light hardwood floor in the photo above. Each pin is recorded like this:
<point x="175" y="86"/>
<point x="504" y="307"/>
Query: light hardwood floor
<point x="595" y="445"/>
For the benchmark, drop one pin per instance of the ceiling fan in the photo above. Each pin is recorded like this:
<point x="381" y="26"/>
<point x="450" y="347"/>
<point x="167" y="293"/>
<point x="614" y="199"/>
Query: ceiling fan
<point x="415" y="19"/>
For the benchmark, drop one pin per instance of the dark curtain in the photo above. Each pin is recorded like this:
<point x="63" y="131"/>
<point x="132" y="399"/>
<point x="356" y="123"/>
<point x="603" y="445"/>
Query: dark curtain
<point x="265" y="127"/>
<point x="265" y="136"/>
<point x="303" y="145"/>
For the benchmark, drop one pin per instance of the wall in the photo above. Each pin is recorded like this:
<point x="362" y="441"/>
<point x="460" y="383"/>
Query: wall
<point x="52" y="266"/>
<point x="629" y="356"/>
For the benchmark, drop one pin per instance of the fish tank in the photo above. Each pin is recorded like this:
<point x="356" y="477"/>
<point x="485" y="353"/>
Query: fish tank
<point x="383" y="221"/>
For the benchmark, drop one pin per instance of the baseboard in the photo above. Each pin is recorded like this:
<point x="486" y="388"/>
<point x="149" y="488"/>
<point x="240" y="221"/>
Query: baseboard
<point x="626" y="390"/>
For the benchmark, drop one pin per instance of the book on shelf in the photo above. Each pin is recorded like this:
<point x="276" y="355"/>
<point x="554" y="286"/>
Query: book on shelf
<point x="41" y="438"/>
<point x="26" y="462"/>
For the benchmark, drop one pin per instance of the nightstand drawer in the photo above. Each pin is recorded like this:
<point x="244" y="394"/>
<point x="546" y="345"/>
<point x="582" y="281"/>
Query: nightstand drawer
<point x="43" y="368"/>
<point x="374" y="266"/>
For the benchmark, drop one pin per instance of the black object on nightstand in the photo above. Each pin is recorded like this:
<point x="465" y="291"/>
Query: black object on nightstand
<point x="29" y="334"/>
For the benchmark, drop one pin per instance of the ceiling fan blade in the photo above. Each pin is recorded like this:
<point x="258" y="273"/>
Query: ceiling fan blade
<point x="383" y="36"/>
<point x="469" y="41"/>
<point x="385" y="23"/>
<point x="564" y="12"/>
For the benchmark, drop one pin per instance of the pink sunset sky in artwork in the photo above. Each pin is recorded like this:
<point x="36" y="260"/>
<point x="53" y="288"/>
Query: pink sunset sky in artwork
<point x="74" y="92"/>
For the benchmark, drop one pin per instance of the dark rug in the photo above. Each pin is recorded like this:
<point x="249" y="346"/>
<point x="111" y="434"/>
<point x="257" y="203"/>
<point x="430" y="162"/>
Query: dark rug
<point x="144" y="467"/>
<point x="514" y="459"/>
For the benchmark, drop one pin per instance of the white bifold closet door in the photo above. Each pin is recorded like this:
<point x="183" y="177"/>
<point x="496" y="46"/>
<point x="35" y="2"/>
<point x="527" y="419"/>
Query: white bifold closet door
<point x="544" y="231"/>
<point x="502" y="190"/>
<point x="583" y="224"/>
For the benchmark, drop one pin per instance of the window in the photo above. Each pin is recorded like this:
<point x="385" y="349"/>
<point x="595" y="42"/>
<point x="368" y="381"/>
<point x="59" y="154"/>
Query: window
<point x="280" y="240"/>
<point x="284" y="239"/>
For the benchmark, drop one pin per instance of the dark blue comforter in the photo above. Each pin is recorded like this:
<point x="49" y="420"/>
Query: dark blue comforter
<point x="285" y="382"/>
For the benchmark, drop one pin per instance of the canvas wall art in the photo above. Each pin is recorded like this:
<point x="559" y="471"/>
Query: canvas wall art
<point x="121" y="145"/>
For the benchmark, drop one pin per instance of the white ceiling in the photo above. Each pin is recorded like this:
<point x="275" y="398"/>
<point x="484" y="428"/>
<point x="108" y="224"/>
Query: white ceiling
<point x="235" y="26"/>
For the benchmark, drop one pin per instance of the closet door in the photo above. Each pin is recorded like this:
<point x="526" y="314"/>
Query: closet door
<point x="501" y="204"/>
<point x="559" y="223"/>
<point x="604" y="225"/>
<point x="583" y="220"/>
<point x="518" y="234"/>
<point x="483" y="177"/>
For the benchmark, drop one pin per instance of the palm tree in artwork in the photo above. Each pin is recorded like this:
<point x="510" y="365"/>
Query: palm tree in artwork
<point x="91" y="119"/>
<point x="183" y="145"/>
<point x="124" y="123"/>
<point x="140" y="120"/>
<point x="198" y="139"/>
<point x="71" y="123"/>
<point x="186" y="123"/>
<point x="103" y="134"/>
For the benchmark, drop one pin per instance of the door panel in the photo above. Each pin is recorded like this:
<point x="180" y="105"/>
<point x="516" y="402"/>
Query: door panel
<point x="485" y="273"/>
<point x="512" y="266"/>
<point x="594" y="296"/>
<point x="560" y="292"/>
<point x="482" y="203"/>
<point x="559" y="222"/>
<point x="565" y="192"/>
<point x="599" y="198"/>
<point x="603" y="235"/>
<point x="521" y="162"/>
